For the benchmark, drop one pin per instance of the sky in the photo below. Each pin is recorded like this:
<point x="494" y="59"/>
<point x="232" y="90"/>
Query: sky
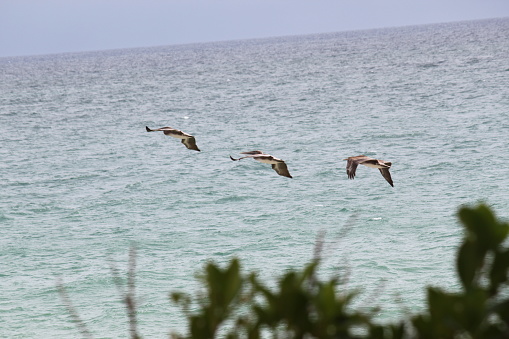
<point x="33" y="27"/>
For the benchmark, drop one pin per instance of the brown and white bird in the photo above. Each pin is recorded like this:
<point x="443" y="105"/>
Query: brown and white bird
<point x="278" y="165"/>
<point x="383" y="166"/>
<point x="187" y="139"/>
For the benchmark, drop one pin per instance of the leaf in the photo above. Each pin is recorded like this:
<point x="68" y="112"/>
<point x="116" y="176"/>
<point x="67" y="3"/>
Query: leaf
<point x="482" y="227"/>
<point x="499" y="270"/>
<point x="468" y="263"/>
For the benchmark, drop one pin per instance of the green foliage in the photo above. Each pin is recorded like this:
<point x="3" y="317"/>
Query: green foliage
<point x="223" y="295"/>
<point x="302" y="306"/>
<point x="237" y="305"/>
<point x="479" y="311"/>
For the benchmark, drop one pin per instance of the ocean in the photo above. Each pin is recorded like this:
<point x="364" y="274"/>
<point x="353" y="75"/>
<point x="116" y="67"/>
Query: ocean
<point x="81" y="181"/>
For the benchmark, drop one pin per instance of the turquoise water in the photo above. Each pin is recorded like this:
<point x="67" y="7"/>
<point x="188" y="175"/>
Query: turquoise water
<point x="81" y="180"/>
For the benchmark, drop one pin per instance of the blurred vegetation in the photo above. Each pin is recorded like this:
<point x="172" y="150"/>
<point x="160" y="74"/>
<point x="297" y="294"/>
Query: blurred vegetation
<point x="233" y="304"/>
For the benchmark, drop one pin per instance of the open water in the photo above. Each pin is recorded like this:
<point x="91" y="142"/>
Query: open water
<point x="81" y="180"/>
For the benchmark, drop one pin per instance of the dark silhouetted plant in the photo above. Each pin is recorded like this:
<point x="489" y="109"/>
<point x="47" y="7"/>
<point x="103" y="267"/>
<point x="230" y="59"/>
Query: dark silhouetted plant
<point x="481" y="309"/>
<point x="237" y="305"/>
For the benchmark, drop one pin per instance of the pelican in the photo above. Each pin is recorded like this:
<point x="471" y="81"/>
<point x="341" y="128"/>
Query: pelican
<point x="187" y="139"/>
<point x="383" y="166"/>
<point x="278" y="165"/>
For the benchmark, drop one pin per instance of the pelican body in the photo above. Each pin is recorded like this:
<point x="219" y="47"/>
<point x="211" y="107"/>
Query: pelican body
<point x="187" y="139"/>
<point x="277" y="164"/>
<point x="383" y="166"/>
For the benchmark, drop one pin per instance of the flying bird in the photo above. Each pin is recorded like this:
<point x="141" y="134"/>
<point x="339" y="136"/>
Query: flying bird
<point x="188" y="140"/>
<point x="383" y="166"/>
<point x="278" y="165"/>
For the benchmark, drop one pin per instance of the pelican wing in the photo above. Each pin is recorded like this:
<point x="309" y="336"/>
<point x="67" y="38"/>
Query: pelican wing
<point x="370" y="161"/>
<point x="247" y="156"/>
<point x="175" y="133"/>
<point x="281" y="169"/>
<point x="353" y="162"/>
<point x="351" y="167"/>
<point x="387" y="175"/>
<point x="190" y="143"/>
<point x="253" y="152"/>
<point x="158" y="129"/>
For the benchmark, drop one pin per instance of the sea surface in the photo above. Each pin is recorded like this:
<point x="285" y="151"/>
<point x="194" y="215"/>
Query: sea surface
<point x="81" y="181"/>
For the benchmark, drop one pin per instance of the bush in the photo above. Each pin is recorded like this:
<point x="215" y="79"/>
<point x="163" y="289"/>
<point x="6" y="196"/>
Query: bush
<point x="302" y="306"/>
<point x="238" y="305"/>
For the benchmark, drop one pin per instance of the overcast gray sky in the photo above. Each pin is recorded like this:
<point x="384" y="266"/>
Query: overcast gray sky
<point x="29" y="27"/>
